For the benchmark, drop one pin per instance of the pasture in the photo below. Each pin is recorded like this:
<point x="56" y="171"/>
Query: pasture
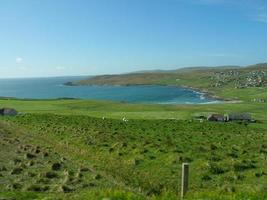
<point x="137" y="159"/>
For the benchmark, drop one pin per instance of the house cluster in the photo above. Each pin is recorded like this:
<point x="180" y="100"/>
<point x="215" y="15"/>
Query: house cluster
<point x="240" y="79"/>
<point x="254" y="79"/>
<point x="230" y="117"/>
<point x="8" y="112"/>
<point x="222" y="78"/>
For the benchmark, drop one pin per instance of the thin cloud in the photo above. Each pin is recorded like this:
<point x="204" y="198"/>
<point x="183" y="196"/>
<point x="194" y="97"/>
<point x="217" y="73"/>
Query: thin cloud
<point x="60" y="68"/>
<point x="218" y="55"/>
<point x="221" y="55"/>
<point x="19" y="60"/>
<point x="261" y="18"/>
<point x="23" y="68"/>
<point x="211" y="2"/>
<point x="255" y="10"/>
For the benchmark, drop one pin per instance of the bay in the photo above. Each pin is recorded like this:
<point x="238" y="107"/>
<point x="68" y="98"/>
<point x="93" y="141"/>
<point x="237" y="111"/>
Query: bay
<point x="53" y="88"/>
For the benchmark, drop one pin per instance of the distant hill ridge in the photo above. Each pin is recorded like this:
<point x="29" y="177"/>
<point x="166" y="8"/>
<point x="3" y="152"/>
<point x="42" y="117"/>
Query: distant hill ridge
<point x="165" y="77"/>
<point x="259" y="65"/>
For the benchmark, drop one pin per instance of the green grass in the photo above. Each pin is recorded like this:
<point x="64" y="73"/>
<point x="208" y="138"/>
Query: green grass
<point x="145" y="156"/>
<point x="132" y="111"/>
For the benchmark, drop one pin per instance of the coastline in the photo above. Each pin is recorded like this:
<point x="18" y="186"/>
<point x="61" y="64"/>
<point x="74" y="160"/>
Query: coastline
<point x="206" y="94"/>
<point x="206" y="97"/>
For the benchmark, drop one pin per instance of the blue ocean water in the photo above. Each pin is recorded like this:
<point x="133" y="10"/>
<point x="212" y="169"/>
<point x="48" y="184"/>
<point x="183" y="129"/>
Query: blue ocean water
<point x="52" y="88"/>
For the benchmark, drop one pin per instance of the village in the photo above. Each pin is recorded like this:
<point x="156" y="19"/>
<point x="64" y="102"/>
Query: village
<point x="240" y="79"/>
<point x="231" y="117"/>
<point x="245" y="117"/>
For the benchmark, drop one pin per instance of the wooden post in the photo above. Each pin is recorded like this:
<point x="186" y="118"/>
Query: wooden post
<point x="185" y="177"/>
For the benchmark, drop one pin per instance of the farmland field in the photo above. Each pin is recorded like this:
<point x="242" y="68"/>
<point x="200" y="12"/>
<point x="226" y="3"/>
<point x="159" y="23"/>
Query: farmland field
<point x="101" y="156"/>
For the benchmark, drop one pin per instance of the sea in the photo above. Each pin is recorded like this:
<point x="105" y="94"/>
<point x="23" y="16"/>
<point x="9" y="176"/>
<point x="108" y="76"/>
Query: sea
<point x="54" y="88"/>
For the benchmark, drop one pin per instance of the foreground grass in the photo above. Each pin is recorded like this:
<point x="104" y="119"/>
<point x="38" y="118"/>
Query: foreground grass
<point x="138" y="159"/>
<point x="120" y="195"/>
<point x="142" y="159"/>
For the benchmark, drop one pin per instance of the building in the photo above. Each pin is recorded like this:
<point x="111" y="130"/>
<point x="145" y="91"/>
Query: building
<point x="8" y="112"/>
<point x="216" y="118"/>
<point x="239" y="117"/>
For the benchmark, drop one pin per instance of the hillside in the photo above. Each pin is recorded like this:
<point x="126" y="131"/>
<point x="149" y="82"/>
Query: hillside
<point x="218" y="81"/>
<point x="34" y="166"/>
<point x="80" y="157"/>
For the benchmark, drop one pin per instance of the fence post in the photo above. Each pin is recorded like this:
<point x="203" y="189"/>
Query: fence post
<point x="185" y="177"/>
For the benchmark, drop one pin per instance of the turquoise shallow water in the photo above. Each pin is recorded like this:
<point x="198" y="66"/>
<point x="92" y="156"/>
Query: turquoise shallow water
<point x="51" y="88"/>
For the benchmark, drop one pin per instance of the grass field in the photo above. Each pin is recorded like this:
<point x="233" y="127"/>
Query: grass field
<point x="138" y="159"/>
<point x="132" y="111"/>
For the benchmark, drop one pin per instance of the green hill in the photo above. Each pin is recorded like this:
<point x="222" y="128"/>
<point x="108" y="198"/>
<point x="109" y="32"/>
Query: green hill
<point x="226" y="82"/>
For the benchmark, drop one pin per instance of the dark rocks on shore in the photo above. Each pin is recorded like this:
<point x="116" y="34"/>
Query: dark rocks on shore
<point x="69" y="84"/>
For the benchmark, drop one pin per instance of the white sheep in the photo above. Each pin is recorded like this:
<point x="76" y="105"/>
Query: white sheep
<point x="124" y="119"/>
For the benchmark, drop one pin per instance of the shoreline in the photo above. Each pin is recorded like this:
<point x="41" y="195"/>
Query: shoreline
<point x="210" y="97"/>
<point x="206" y="94"/>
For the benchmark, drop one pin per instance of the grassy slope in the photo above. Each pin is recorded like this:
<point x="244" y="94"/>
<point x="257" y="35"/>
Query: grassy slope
<point x="74" y="126"/>
<point x="145" y="156"/>
<point x="24" y="177"/>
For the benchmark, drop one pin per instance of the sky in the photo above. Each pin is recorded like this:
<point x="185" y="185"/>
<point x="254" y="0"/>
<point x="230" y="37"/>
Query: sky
<point x="40" y="38"/>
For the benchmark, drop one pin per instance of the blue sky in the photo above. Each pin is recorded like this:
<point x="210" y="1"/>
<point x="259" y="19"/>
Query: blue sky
<point x="87" y="37"/>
